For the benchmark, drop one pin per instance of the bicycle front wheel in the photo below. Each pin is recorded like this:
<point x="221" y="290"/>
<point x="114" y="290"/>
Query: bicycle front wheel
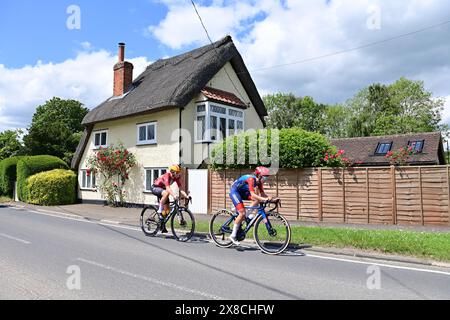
<point x="220" y="228"/>
<point x="149" y="221"/>
<point x="183" y="224"/>
<point x="276" y="239"/>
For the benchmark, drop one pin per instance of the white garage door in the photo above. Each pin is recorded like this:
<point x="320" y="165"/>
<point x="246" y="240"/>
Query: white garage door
<point x="198" y="186"/>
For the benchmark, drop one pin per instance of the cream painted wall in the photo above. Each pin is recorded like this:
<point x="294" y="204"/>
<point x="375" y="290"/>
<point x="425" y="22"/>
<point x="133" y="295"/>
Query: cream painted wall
<point x="164" y="153"/>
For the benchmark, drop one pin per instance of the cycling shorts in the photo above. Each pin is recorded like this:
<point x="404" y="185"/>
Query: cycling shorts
<point x="238" y="197"/>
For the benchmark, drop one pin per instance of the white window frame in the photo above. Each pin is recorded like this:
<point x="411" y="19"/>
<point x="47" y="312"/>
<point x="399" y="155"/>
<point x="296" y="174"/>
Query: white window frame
<point x="208" y="113"/>
<point x="146" y="125"/>
<point x="84" y="184"/>
<point x="100" y="132"/>
<point x="152" y="176"/>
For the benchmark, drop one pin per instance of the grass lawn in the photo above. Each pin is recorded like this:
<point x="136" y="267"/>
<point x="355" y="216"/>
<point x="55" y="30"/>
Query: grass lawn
<point x="430" y="245"/>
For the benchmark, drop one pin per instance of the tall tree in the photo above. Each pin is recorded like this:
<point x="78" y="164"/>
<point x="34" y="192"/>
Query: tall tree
<point x="55" y="128"/>
<point x="287" y="111"/>
<point x="402" y="107"/>
<point x="10" y="144"/>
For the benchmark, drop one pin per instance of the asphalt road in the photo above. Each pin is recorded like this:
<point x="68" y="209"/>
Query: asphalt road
<point x="41" y="257"/>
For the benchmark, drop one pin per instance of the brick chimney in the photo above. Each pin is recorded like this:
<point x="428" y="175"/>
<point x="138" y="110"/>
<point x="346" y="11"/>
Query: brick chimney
<point x="123" y="73"/>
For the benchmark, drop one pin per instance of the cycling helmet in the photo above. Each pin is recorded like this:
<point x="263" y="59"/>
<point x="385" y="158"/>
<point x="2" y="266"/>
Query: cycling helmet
<point x="262" y="171"/>
<point x="175" y="168"/>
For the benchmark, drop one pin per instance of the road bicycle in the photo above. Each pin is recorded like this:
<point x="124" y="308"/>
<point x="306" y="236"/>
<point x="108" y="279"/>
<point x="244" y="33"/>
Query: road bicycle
<point x="272" y="231"/>
<point x="182" y="221"/>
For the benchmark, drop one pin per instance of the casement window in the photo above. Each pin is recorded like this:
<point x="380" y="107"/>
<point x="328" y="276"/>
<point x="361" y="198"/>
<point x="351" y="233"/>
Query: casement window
<point x="146" y="133"/>
<point x="214" y="122"/>
<point x="87" y="180"/>
<point x="417" y="145"/>
<point x="150" y="175"/>
<point x="100" y="139"/>
<point x="383" y="148"/>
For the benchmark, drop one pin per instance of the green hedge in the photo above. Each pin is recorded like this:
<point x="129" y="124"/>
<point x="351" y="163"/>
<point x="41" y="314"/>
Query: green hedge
<point x="50" y="188"/>
<point x="8" y="175"/>
<point x="297" y="149"/>
<point x="28" y="166"/>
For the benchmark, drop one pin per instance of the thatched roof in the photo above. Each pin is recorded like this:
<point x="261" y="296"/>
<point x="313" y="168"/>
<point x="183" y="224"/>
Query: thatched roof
<point x="174" y="82"/>
<point x="363" y="149"/>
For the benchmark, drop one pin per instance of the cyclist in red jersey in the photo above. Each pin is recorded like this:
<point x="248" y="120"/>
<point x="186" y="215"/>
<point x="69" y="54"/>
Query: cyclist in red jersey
<point x="161" y="188"/>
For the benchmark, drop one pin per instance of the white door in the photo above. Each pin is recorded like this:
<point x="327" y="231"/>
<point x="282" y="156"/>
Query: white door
<point x="198" y="186"/>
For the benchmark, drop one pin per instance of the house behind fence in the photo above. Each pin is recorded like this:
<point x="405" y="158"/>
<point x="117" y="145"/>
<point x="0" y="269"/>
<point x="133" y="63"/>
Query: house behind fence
<point x="376" y="195"/>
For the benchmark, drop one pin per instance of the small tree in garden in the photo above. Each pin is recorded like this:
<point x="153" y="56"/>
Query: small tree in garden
<point x="113" y="164"/>
<point x="399" y="157"/>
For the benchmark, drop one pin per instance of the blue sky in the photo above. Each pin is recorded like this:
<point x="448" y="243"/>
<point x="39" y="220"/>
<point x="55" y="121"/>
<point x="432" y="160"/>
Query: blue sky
<point x="40" y="57"/>
<point x="36" y="30"/>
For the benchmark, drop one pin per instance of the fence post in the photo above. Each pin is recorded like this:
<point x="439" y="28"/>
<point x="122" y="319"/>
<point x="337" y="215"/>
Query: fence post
<point x="298" y="194"/>
<point x="368" y="195"/>
<point x="225" y="188"/>
<point x="319" y="183"/>
<point x="421" y="196"/>
<point x="343" y="193"/>
<point x="394" y="196"/>
<point x="448" y="191"/>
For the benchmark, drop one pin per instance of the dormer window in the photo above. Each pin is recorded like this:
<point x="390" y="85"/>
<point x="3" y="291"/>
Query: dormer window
<point x="417" y="145"/>
<point x="383" y="148"/>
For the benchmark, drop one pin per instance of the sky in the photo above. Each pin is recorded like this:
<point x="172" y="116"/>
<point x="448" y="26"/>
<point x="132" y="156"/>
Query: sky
<point x="317" y="48"/>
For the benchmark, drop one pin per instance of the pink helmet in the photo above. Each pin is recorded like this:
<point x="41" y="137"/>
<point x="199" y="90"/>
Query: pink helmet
<point x="262" y="171"/>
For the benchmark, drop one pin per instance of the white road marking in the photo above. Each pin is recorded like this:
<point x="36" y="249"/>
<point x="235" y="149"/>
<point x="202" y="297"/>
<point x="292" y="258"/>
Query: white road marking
<point x="152" y="280"/>
<point x="109" y="221"/>
<point x="14" y="238"/>
<point x="80" y="219"/>
<point x="377" y="264"/>
<point x="306" y="254"/>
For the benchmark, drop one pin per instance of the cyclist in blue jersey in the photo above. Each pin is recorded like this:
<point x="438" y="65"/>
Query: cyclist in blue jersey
<point x="244" y="188"/>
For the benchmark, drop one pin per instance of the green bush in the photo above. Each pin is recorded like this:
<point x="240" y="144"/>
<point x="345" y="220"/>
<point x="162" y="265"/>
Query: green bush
<point x="297" y="149"/>
<point x="50" y="188"/>
<point x="28" y="166"/>
<point x="8" y="175"/>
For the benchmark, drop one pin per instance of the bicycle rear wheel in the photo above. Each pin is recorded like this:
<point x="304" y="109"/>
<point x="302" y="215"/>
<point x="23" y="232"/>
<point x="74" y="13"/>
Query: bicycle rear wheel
<point x="149" y="221"/>
<point x="277" y="239"/>
<point x="183" y="224"/>
<point x="220" y="228"/>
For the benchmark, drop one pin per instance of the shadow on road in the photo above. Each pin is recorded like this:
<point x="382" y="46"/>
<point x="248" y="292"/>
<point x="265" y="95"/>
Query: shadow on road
<point x="193" y="260"/>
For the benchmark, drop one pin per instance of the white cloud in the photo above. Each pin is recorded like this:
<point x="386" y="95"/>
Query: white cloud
<point x="446" y="113"/>
<point x="87" y="78"/>
<point x="270" y="33"/>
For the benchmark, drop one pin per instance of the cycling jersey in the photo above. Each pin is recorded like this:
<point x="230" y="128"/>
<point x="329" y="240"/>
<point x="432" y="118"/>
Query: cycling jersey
<point x="241" y="190"/>
<point x="166" y="180"/>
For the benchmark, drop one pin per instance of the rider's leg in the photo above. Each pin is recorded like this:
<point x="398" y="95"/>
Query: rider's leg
<point x="237" y="222"/>
<point x="163" y="203"/>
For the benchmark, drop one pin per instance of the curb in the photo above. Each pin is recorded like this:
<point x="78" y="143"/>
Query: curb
<point x="327" y="250"/>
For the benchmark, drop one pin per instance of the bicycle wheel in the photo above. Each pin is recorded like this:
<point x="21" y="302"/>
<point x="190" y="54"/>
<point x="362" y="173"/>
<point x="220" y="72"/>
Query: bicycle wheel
<point x="277" y="239"/>
<point x="220" y="228"/>
<point x="149" y="221"/>
<point x="183" y="224"/>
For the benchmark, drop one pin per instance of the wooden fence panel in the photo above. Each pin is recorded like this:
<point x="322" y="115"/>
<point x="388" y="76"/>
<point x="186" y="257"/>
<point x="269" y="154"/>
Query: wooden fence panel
<point x="408" y="192"/>
<point x="435" y="195"/>
<point x="332" y="195"/>
<point x="380" y="195"/>
<point x="356" y="196"/>
<point x="287" y="190"/>
<point x="308" y="195"/>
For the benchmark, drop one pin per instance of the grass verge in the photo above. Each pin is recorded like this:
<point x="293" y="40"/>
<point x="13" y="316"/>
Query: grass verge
<point x="431" y="245"/>
<point x="4" y="199"/>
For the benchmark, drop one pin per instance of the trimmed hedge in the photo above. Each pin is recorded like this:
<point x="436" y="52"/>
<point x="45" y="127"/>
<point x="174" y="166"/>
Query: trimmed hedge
<point x="50" y="188"/>
<point x="297" y="149"/>
<point x="28" y="166"/>
<point x="8" y="175"/>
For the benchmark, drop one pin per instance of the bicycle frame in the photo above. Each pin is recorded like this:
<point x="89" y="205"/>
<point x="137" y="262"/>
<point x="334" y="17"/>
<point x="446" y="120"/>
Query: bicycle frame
<point x="261" y="212"/>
